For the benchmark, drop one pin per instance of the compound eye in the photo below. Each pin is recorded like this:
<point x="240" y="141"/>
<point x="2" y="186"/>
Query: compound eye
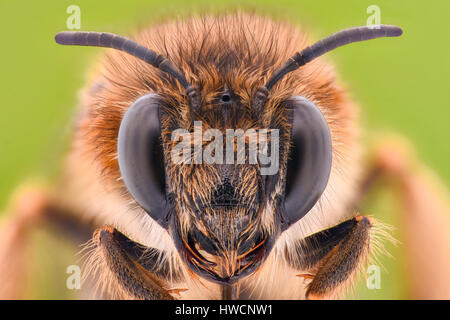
<point x="141" y="159"/>
<point x="310" y="158"/>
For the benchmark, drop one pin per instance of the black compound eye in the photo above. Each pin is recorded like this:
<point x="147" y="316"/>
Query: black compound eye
<point x="141" y="159"/>
<point x="310" y="158"/>
<point x="294" y="164"/>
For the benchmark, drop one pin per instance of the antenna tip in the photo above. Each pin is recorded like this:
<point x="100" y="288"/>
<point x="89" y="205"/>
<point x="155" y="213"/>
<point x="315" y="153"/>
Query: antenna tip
<point x="63" y="37"/>
<point x="396" y="31"/>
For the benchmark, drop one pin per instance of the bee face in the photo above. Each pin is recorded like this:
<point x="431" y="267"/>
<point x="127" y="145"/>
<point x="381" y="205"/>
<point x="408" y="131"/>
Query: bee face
<point x="217" y="210"/>
<point x="224" y="217"/>
<point x="219" y="226"/>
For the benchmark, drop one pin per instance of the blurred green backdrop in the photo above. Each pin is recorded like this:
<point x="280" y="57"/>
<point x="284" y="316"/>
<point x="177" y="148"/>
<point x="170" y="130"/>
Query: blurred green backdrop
<point x="400" y="85"/>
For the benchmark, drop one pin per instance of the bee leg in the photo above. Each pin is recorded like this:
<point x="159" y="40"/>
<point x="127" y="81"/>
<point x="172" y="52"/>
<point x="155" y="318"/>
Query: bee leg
<point x="425" y="218"/>
<point x="342" y="262"/>
<point x="332" y="256"/>
<point x="30" y="208"/>
<point x="26" y="208"/>
<point x="131" y="279"/>
<point x="425" y="214"/>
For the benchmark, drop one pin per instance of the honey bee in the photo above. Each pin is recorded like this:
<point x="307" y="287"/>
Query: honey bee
<point x="212" y="229"/>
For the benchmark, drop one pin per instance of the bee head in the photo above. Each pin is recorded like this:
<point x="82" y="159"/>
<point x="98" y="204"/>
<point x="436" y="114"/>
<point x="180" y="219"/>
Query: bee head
<point x="229" y="162"/>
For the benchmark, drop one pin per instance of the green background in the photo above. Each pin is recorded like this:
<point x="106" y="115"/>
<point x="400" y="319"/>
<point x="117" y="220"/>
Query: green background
<point x="401" y="85"/>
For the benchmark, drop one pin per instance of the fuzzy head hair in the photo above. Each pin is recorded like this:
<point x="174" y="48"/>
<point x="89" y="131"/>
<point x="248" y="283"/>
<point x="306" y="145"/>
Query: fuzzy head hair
<point x="225" y="72"/>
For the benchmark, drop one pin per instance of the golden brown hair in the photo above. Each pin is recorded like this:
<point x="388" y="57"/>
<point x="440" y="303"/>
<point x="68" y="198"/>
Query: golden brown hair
<point x="234" y="53"/>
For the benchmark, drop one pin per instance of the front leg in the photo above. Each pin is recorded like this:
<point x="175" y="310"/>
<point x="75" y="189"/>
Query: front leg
<point x="333" y="256"/>
<point x="33" y="207"/>
<point x="115" y="259"/>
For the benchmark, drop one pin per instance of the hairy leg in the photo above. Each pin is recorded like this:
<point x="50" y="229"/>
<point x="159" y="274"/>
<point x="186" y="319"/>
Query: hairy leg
<point x="33" y="207"/>
<point x="340" y="264"/>
<point x="115" y="261"/>
<point x="334" y="254"/>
